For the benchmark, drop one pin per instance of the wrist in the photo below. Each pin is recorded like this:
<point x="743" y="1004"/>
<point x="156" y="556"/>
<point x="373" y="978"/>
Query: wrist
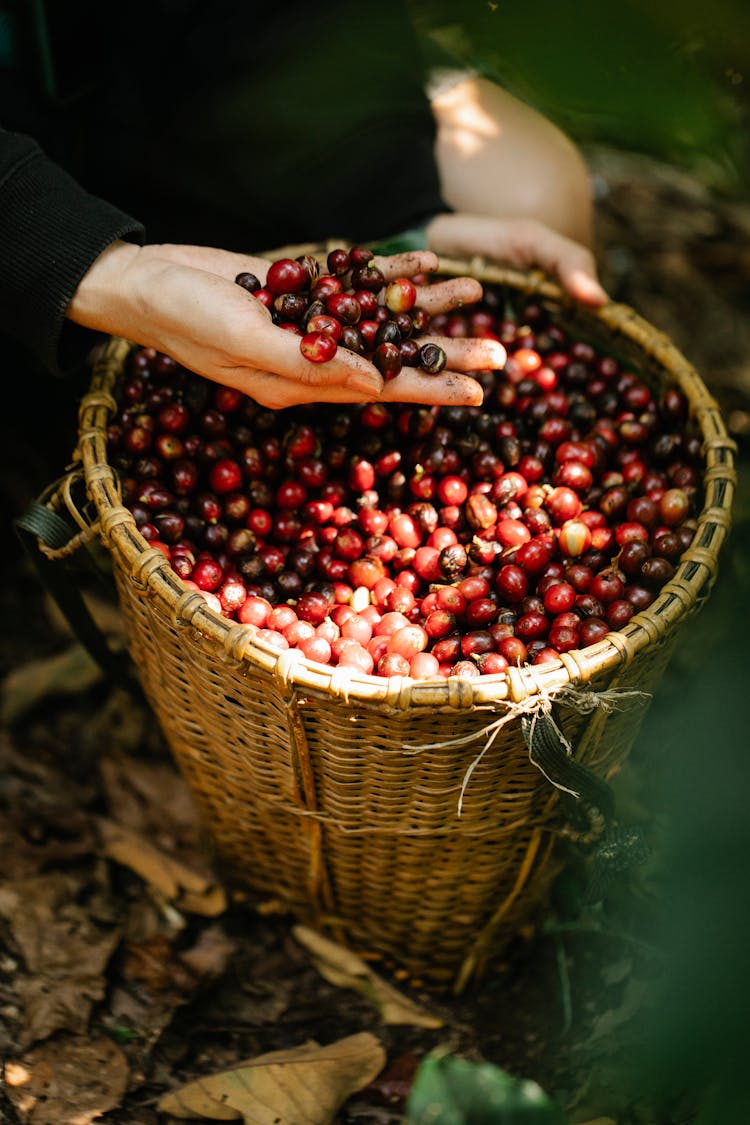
<point x="102" y="288"/>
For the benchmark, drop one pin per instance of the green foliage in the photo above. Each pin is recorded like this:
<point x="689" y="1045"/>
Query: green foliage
<point x="453" y="1091"/>
<point x="666" y="79"/>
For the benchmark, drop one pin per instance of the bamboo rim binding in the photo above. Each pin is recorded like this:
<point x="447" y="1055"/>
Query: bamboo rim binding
<point x="619" y="325"/>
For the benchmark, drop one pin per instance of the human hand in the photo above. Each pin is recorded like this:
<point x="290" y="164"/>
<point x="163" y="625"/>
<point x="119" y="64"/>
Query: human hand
<point x="182" y="300"/>
<point x="522" y="243"/>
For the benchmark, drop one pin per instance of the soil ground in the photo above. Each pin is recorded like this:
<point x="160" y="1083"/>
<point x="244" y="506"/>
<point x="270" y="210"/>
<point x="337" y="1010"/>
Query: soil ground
<point x="113" y="991"/>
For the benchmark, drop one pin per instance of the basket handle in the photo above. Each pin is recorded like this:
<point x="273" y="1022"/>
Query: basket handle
<point x="50" y="541"/>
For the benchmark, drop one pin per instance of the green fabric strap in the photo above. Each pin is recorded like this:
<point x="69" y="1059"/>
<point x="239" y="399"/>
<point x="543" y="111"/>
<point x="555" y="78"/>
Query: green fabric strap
<point x="58" y="578"/>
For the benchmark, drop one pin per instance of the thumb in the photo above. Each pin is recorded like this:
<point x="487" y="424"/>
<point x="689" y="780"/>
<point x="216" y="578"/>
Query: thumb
<point x="210" y="259"/>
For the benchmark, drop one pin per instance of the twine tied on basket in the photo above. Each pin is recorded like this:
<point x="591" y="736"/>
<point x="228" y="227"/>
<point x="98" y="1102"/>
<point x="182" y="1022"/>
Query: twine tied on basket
<point x="588" y="799"/>
<point x="549" y="749"/>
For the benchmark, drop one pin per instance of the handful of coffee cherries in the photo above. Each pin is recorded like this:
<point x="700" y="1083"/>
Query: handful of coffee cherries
<point x="342" y="308"/>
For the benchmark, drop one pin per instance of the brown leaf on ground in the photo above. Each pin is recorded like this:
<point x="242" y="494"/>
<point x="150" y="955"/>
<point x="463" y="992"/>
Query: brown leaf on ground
<point x="67" y="1081"/>
<point x="304" y="1085"/>
<point x="69" y="672"/>
<point x="32" y="843"/>
<point x="105" y="612"/>
<point x="152" y="985"/>
<point x="36" y="783"/>
<point x="51" y="1004"/>
<point x="148" y="797"/>
<point x="210" y="954"/>
<point x="153" y="963"/>
<point x="187" y="888"/>
<point x="43" y="822"/>
<point x="345" y="969"/>
<point x="64" y="952"/>
<point x="125" y="725"/>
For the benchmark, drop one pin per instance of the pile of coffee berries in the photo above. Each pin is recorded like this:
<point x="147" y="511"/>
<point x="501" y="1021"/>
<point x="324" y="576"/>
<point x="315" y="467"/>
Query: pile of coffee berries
<point x="342" y="308"/>
<point x="440" y="541"/>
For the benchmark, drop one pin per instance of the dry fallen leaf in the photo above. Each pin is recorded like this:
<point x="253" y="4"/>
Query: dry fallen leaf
<point x="211" y="953"/>
<point x="188" y="889"/>
<point x="343" y="968"/>
<point x="304" y="1085"/>
<point x="45" y="823"/>
<point x="67" y="1081"/>
<point x="104" y="611"/>
<point x="64" y="952"/>
<point x="147" y="796"/>
<point x="151" y="985"/>
<point x="69" y="672"/>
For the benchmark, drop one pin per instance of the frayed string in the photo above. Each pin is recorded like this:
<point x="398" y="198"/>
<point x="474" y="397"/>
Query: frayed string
<point x="586" y="701"/>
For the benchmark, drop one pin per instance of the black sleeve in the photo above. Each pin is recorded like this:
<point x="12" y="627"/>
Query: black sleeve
<point x="51" y="231"/>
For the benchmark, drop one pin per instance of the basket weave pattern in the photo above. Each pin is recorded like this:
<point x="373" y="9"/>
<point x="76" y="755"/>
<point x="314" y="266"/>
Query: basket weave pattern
<point x="338" y="793"/>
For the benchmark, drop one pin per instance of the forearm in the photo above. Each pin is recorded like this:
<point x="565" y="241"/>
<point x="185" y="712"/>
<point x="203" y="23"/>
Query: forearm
<point x="501" y="158"/>
<point x="51" y="231"/>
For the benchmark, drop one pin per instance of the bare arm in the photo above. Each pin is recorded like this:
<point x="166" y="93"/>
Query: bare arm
<point x="519" y="188"/>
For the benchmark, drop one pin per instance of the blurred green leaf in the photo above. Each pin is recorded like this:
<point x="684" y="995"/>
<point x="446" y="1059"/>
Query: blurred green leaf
<point x="452" y="1091"/>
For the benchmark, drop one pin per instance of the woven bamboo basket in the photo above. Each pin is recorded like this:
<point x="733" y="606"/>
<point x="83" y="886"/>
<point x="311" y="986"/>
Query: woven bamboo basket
<point x="336" y="793"/>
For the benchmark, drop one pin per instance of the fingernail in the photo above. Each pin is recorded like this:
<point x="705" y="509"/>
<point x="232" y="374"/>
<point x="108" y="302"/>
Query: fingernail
<point x="591" y="290"/>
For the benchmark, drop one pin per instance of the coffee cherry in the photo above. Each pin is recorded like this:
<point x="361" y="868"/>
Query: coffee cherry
<point x="431" y="358"/>
<point x="387" y="359"/>
<point x="367" y="277"/>
<point x="338" y="262"/>
<point x="344" y="307"/>
<point x="248" y="281"/>
<point x="574" y="538"/>
<point x="400" y="295"/>
<point x="512" y="583"/>
<point x="318" y="347"/>
<point x="324" y="322"/>
<point x="286" y="276"/>
<point x="674" y="506"/>
<point x="592" y="630"/>
<point x="207" y="575"/>
<point x="225" y="476"/>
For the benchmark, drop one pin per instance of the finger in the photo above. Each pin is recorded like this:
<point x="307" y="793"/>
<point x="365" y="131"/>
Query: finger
<point x="449" y="388"/>
<point x="573" y="264"/>
<point x="470" y="353"/>
<point x="583" y="284"/>
<point x="277" y="393"/>
<point x="406" y="264"/>
<point x="282" y="355"/>
<point x="444" y="296"/>
<point x="224" y="263"/>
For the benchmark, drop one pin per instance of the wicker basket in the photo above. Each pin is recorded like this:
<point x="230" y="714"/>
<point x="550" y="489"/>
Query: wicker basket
<point x="337" y="793"/>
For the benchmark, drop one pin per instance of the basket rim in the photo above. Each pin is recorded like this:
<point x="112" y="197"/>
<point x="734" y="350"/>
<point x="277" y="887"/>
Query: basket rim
<point x="151" y="571"/>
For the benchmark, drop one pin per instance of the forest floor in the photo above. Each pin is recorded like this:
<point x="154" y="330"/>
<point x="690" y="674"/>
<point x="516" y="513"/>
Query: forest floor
<point x="117" y="984"/>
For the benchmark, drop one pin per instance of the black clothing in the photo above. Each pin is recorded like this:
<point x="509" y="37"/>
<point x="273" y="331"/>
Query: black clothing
<point x="229" y="124"/>
<point x="50" y="233"/>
